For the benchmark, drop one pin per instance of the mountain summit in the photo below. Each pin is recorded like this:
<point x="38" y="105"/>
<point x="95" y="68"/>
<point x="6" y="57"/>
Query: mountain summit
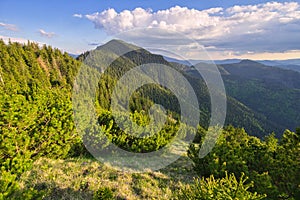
<point x="118" y="46"/>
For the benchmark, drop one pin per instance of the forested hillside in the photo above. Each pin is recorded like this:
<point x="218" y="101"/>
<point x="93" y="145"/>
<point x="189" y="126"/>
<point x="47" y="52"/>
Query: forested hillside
<point x="36" y="110"/>
<point x="43" y="157"/>
<point x="271" y="94"/>
<point x="254" y="120"/>
<point x="36" y="116"/>
<point x="270" y="91"/>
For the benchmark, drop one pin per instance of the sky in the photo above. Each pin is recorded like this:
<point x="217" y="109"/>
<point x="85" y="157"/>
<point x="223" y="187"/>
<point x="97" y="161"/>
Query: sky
<point x="224" y="29"/>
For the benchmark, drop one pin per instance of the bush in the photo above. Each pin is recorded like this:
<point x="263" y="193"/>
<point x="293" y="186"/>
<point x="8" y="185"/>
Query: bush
<point x="226" y="188"/>
<point x="9" y="189"/>
<point x="272" y="164"/>
<point x="103" y="194"/>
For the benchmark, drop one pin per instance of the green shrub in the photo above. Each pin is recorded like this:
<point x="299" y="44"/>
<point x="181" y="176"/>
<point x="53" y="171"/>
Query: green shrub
<point x="9" y="189"/>
<point x="225" y="188"/>
<point x="36" y="116"/>
<point x="272" y="164"/>
<point x="8" y="185"/>
<point x="103" y="193"/>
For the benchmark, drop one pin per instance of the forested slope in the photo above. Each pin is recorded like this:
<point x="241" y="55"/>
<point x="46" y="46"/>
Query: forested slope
<point x="36" y="116"/>
<point x="270" y="91"/>
<point x="238" y="113"/>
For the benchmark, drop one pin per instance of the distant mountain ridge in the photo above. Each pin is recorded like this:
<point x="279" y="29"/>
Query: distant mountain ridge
<point x="290" y="64"/>
<point x="73" y="55"/>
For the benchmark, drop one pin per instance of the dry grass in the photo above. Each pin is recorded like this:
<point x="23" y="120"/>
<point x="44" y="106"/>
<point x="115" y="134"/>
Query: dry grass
<point x="80" y="178"/>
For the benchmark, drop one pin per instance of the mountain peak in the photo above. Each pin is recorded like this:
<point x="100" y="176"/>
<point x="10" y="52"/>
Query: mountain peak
<point x="120" y="42"/>
<point x="118" y="47"/>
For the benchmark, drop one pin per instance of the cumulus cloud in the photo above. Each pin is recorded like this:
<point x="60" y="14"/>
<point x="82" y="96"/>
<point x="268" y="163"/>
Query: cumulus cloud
<point x="267" y="27"/>
<point x="176" y="18"/>
<point x="46" y="34"/>
<point x="10" y="27"/>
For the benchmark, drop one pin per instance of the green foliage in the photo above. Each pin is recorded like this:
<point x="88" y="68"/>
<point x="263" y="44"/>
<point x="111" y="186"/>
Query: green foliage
<point x="103" y="193"/>
<point x="273" y="166"/>
<point x="225" y="188"/>
<point x="35" y="119"/>
<point x="147" y="142"/>
<point x="35" y="106"/>
<point x="8" y="185"/>
<point x="10" y="189"/>
<point x="286" y="168"/>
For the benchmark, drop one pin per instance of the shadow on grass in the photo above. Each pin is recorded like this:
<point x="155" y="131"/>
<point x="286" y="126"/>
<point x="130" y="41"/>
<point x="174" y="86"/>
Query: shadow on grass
<point x="54" y="192"/>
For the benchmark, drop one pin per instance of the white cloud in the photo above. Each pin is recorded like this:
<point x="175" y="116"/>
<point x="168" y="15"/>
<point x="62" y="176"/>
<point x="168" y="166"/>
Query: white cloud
<point x="77" y="15"/>
<point x="268" y="27"/>
<point x="10" y="27"/>
<point x="46" y="34"/>
<point x="176" y="18"/>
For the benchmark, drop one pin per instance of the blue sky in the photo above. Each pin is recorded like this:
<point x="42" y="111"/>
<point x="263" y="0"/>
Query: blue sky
<point x="231" y="30"/>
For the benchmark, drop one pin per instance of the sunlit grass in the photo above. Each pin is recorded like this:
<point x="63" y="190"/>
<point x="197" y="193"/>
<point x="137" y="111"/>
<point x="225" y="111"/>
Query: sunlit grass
<point x="80" y="178"/>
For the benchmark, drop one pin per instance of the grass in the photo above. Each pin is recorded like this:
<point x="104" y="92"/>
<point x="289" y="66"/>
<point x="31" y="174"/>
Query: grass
<point x="80" y="178"/>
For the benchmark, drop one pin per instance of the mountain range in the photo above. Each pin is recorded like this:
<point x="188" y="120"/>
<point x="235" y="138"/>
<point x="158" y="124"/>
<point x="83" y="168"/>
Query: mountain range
<point x="291" y="64"/>
<point x="260" y="98"/>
